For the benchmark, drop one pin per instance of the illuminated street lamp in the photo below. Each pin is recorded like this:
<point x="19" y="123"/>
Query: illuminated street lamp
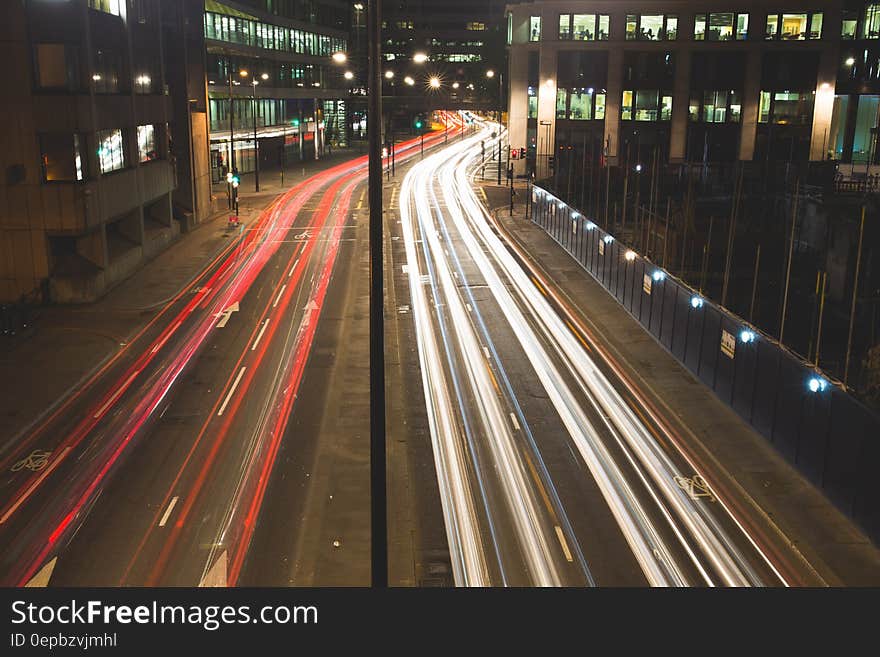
<point x="409" y="80"/>
<point x="389" y="75"/>
<point x="455" y="85"/>
<point x="420" y="58"/>
<point x="340" y="57"/>
<point x="850" y="61"/>
<point x="348" y="75"/>
<point x="434" y="82"/>
<point x="490" y="73"/>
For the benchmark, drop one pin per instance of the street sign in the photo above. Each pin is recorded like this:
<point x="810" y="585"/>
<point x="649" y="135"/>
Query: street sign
<point x="728" y="343"/>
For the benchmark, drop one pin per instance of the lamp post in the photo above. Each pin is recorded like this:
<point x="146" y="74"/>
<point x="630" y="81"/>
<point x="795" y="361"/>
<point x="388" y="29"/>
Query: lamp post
<point x="254" y="83"/>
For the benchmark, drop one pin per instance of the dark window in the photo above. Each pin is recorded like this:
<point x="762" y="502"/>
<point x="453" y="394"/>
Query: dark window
<point x="56" y="66"/>
<point x="61" y="157"/>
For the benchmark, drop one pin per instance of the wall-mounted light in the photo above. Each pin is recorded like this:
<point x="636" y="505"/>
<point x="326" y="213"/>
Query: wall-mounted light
<point x="696" y="302"/>
<point x="817" y="384"/>
<point x="747" y="335"/>
<point x="630" y="255"/>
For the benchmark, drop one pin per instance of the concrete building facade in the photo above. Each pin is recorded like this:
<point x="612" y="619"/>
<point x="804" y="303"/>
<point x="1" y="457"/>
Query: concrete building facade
<point x="700" y="81"/>
<point x="93" y="139"/>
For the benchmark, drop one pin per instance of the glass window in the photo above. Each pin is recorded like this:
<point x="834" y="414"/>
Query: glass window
<point x="533" y="103"/>
<point x="599" y="114"/>
<point x="742" y="27"/>
<point x="583" y="27"/>
<point x="720" y="27"/>
<point x="535" y="28"/>
<point x="815" y="26"/>
<point x="671" y="32"/>
<point x="848" y="25"/>
<point x="794" y="26"/>
<point x="646" y="105"/>
<point x="626" y="104"/>
<point x="864" y="137"/>
<point x="107" y="6"/>
<point x="561" y="102"/>
<point x="604" y="22"/>
<point x="764" y="107"/>
<point x="735" y="108"/>
<point x="106" y="71"/>
<point x="772" y="26"/>
<point x="651" y="28"/>
<point x="56" y="66"/>
<point x="871" y="28"/>
<point x="60" y="157"/>
<point x="111" y="153"/>
<point x="694" y="108"/>
<point x="147" y="143"/>
<point x="632" y="25"/>
<point x="564" y="26"/>
<point x="581" y="104"/>
<point x="509" y="29"/>
<point x="666" y="108"/>
<point x="792" y="108"/>
<point x="700" y="27"/>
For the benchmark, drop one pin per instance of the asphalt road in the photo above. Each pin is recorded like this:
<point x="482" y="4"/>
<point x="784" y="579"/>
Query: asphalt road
<point x="552" y="468"/>
<point x="209" y="450"/>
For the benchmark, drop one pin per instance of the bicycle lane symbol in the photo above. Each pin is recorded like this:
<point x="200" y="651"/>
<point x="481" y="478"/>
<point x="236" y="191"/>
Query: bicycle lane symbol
<point x="35" y="461"/>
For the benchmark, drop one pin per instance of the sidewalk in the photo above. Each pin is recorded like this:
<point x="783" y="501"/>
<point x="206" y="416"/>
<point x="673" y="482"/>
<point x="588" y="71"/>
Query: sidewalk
<point x="66" y="343"/>
<point x="839" y="551"/>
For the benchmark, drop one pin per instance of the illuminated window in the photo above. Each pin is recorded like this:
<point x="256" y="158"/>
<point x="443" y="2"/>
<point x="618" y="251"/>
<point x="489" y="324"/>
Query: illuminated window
<point x="871" y="26"/>
<point x="700" y="27"/>
<point x="645" y="105"/>
<point x="55" y="66"/>
<point x="599" y="114"/>
<point x="786" y="108"/>
<point x="146" y="135"/>
<point x="535" y="28"/>
<point x="848" y="24"/>
<point x="721" y="27"/>
<point x="509" y="29"/>
<point x="111" y="153"/>
<point x="561" y="103"/>
<point x="583" y="27"/>
<point x="651" y="27"/>
<point x="107" y="6"/>
<point x="533" y="103"/>
<point x="581" y="105"/>
<point x="476" y="27"/>
<point x="794" y="27"/>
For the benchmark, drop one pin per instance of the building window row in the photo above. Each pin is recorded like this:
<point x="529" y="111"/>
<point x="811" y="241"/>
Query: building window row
<point x="271" y="37"/>
<point x="583" y="27"/>
<point x="651" y="27"/>
<point x="286" y="75"/>
<point x="786" y="107"/>
<point x="721" y="27"/>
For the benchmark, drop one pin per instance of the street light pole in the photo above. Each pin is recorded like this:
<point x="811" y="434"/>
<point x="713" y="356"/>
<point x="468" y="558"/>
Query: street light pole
<point x="378" y="491"/>
<point x="231" y="138"/>
<point x="254" y="84"/>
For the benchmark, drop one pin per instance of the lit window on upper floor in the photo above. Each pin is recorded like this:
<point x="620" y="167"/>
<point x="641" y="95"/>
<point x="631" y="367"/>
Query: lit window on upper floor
<point x="786" y="107"/>
<point x="146" y="135"/>
<point x="533" y="103"/>
<point x="794" y="27"/>
<point x="871" y="24"/>
<point x="534" y="28"/>
<point x="645" y="105"/>
<point x="475" y="27"/>
<point x="583" y="27"/>
<point x="848" y="24"/>
<point x="721" y="27"/>
<point x="715" y="107"/>
<point x="580" y="104"/>
<point x="651" y="27"/>
<point x="56" y="66"/>
<point x="107" y="6"/>
<point x="111" y="152"/>
<point x="403" y="25"/>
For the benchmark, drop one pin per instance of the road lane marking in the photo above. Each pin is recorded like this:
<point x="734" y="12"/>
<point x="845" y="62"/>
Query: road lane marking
<point x="34" y="485"/>
<point x="41" y="579"/>
<point x="217" y="575"/>
<point x="468" y="306"/>
<point x="563" y="543"/>
<point x="232" y="390"/>
<point x="168" y="511"/>
<point x="295" y="263"/>
<point x="515" y="423"/>
<point x="278" y="298"/>
<point x="165" y="339"/>
<point x="115" y="395"/>
<point x="259" y="337"/>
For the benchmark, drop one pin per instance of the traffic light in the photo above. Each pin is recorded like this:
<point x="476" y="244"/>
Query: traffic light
<point x="295" y="123"/>
<point x="235" y="180"/>
<point x="522" y="153"/>
<point x="419" y="122"/>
